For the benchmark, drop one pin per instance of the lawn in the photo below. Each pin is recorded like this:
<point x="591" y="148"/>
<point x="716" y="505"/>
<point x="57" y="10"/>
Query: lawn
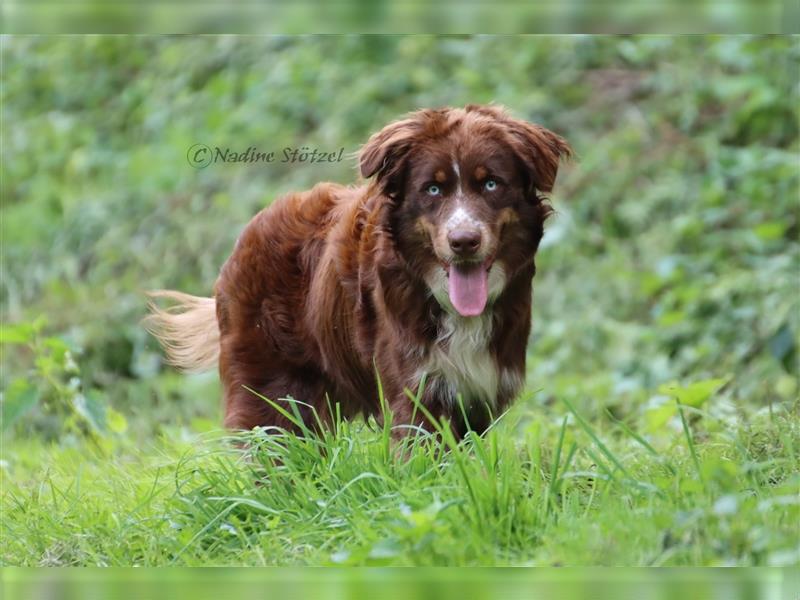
<point x="661" y="416"/>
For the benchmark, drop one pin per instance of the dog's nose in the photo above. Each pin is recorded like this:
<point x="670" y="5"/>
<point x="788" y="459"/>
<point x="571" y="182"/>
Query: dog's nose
<point x="464" y="242"/>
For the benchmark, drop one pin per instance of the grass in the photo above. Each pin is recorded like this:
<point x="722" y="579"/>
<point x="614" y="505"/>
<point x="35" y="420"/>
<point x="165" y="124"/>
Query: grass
<point x="559" y="494"/>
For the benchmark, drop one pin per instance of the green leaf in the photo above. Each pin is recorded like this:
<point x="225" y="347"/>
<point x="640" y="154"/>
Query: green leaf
<point x="202" y="425"/>
<point x="18" y="399"/>
<point x="22" y="333"/>
<point x="117" y="423"/>
<point x="59" y="352"/>
<point x="771" y="230"/>
<point x="783" y="347"/>
<point x="695" y="394"/>
<point x="93" y="411"/>
<point x="672" y="317"/>
<point x="658" y="416"/>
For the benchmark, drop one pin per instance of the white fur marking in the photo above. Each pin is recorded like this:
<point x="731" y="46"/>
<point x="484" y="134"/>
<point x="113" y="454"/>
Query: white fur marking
<point x="460" y="361"/>
<point x="458" y="177"/>
<point x="497" y="281"/>
<point x="461" y="216"/>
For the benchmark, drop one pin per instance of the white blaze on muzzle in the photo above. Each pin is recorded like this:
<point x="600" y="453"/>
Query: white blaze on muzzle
<point x="468" y="282"/>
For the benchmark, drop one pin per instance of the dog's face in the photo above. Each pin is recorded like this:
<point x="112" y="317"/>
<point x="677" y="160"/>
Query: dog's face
<point x="466" y="212"/>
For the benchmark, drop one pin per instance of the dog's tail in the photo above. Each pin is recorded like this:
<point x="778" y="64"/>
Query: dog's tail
<point x="188" y="330"/>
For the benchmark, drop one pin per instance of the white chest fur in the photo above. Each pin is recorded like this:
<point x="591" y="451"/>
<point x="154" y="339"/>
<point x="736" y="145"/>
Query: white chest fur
<point x="460" y="361"/>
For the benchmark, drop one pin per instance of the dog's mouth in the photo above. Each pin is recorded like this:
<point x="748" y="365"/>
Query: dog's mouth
<point x="468" y="285"/>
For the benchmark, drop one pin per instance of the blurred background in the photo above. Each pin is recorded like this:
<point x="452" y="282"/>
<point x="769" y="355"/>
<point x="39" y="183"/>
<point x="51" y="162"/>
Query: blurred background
<point x="673" y="256"/>
<point x="399" y="16"/>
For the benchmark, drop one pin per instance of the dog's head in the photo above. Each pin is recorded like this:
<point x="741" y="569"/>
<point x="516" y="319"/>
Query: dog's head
<point x="465" y="191"/>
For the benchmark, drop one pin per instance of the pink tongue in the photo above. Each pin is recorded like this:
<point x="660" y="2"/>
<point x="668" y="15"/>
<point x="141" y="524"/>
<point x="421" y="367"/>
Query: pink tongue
<point x="468" y="288"/>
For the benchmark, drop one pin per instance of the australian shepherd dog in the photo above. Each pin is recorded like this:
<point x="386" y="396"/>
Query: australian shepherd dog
<point x="418" y="280"/>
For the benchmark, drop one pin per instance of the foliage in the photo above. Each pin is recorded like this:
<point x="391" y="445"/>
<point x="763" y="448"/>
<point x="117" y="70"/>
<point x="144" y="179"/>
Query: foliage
<point x="661" y="405"/>
<point x="54" y="386"/>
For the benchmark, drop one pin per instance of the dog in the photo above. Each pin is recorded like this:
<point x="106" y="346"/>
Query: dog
<point x="412" y="288"/>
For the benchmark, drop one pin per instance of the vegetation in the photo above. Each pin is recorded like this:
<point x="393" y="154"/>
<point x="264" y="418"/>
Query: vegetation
<point x="659" y="425"/>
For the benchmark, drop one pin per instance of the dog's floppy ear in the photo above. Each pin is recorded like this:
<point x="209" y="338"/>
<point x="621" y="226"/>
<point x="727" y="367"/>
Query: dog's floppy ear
<point x="384" y="153"/>
<point x="540" y="151"/>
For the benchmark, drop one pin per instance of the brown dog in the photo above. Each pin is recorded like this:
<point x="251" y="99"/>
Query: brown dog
<point x="425" y="270"/>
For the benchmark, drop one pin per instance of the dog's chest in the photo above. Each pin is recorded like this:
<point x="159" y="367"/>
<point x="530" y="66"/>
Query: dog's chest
<point x="460" y="361"/>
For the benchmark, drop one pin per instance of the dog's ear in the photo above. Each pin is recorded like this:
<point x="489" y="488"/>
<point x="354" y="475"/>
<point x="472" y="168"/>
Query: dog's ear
<point x="385" y="152"/>
<point x="540" y="151"/>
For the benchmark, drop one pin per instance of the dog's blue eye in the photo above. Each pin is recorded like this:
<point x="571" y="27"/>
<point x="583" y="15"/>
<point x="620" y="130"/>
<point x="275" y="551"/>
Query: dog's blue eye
<point x="490" y="185"/>
<point x="434" y="190"/>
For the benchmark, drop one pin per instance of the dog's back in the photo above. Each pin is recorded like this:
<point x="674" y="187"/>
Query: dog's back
<point x="265" y="320"/>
